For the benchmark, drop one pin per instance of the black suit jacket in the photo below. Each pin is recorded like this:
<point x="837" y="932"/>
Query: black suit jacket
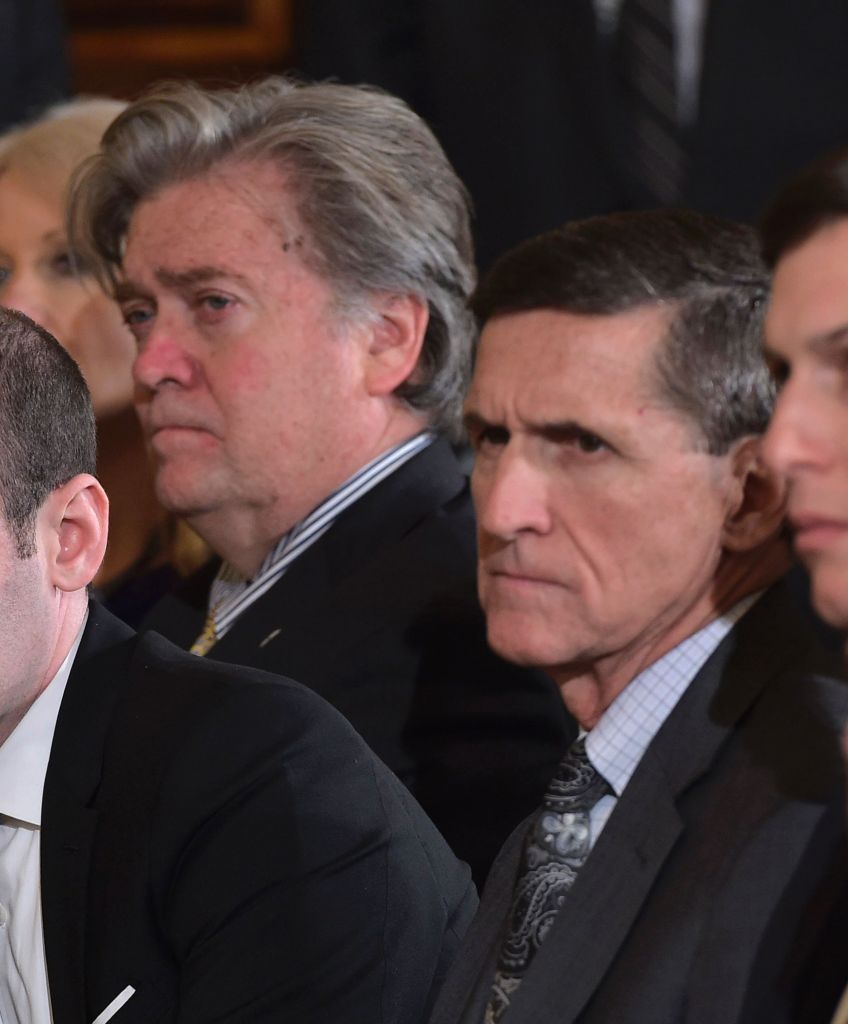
<point x="522" y="94"/>
<point x="381" y="618"/>
<point x="224" y="843"/>
<point x="720" y="868"/>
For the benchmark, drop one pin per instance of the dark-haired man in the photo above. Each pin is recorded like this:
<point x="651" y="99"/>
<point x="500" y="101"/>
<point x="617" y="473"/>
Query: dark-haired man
<point x="294" y="262"/>
<point x="805" y="235"/>
<point x="180" y="841"/>
<point x="806" y="242"/>
<point x="630" y="543"/>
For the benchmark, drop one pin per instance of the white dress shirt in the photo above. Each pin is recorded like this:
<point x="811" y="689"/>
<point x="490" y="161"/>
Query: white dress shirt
<point x="618" y="742"/>
<point x="24" y="992"/>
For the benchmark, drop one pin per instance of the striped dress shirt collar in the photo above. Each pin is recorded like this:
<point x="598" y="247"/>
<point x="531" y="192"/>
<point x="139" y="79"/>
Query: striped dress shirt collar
<point x="231" y="594"/>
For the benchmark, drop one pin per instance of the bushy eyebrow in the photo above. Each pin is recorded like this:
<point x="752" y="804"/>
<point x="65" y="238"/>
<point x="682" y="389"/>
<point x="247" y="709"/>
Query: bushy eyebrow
<point x="550" y="430"/>
<point x="177" y="280"/>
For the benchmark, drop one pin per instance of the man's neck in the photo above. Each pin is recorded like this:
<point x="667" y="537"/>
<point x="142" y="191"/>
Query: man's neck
<point x="589" y="689"/>
<point x="244" y="535"/>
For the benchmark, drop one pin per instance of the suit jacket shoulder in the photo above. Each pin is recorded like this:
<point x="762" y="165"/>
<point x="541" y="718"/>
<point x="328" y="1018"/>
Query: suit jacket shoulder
<point x="719" y="868"/>
<point x="244" y="856"/>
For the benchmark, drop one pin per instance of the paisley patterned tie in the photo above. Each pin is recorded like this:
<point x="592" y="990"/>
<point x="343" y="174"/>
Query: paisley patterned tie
<point x="557" y="844"/>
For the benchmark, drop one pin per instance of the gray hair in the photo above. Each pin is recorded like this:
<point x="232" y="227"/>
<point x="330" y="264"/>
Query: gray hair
<point x="706" y="270"/>
<point x="385" y="210"/>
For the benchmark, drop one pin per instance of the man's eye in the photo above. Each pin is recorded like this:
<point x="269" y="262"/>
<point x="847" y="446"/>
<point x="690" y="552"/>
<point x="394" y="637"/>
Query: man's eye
<point x="490" y="437"/>
<point x="588" y="442"/>
<point x="215" y="303"/>
<point x="137" y="318"/>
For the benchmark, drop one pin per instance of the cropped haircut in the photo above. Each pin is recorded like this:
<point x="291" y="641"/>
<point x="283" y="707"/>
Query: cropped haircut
<point x="47" y="433"/>
<point x="707" y="271"/>
<point x="816" y="197"/>
<point x="383" y="207"/>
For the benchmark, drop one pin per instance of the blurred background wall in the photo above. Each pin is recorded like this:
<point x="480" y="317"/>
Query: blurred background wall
<point x="118" y="47"/>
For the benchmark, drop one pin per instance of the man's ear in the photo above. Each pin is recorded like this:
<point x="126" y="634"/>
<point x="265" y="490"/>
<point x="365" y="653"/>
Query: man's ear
<point x="758" y="504"/>
<point x="74" y="523"/>
<point x="394" y="342"/>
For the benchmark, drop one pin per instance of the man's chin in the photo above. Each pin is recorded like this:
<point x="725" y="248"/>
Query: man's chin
<point x="516" y="643"/>
<point x="182" y="501"/>
<point x="830" y="596"/>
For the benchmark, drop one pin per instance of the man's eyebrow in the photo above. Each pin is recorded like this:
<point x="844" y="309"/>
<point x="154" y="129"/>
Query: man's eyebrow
<point x="474" y="421"/>
<point x="177" y="280"/>
<point x="125" y="290"/>
<point x="197" y="275"/>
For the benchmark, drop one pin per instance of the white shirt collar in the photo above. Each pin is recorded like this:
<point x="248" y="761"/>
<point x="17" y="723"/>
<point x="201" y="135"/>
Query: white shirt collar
<point x="26" y="752"/>
<point x="618" y="742"/>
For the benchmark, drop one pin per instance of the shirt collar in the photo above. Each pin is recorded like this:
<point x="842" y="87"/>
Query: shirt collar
<point x="231" y="594"/>
<point x="26" y="752"/>
<point x="618" y="742"/>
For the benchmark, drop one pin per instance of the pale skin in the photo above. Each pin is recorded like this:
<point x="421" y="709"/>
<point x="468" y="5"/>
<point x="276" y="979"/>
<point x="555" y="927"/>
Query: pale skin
<point x="807" y="440"/>
<point x="607" y="534"/>
<point x="257" y="401"/>
<point x="44" y="598"/>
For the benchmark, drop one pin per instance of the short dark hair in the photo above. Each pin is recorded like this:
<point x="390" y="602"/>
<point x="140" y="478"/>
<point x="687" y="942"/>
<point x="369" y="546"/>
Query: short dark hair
<point x="385" y="210"/>
<point x="47" y="433"/>
<point x="710" y="273"/>
<point x="814" y="198"/>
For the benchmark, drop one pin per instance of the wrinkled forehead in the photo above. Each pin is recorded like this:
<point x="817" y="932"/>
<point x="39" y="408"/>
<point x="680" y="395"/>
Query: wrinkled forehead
<point x="552" y="350"/>
<point x="252" y="190"/>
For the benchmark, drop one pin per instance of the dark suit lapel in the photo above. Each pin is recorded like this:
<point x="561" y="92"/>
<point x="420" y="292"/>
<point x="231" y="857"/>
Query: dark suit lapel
<point x="68" y="820"/>
<point x="615" y="882"/>
<point x="385" y="514"/>
<point x="466" y="992"/>
<point x="607" y="896"/>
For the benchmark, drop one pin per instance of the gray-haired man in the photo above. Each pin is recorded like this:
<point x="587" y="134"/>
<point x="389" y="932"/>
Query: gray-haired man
<point x="294" y="262"/>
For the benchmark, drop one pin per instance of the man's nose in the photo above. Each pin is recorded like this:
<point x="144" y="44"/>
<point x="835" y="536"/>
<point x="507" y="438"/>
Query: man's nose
<point x="796" y="438"/>
<point x="164" y="356"/>
<point x="510" y="495"/>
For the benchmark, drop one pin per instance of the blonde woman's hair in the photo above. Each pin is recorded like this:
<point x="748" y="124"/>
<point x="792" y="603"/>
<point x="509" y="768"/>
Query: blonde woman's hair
<point x="47" y="151"/>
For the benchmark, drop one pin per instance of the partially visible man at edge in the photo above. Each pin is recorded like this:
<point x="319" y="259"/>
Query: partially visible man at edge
<point x="180" y="841"/>
<point x="295" y="261"/>
<point x="631" y="543"/>
<point x="805" y="241"/>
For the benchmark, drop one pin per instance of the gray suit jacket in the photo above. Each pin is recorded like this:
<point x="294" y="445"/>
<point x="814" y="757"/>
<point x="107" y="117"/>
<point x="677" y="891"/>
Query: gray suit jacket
<point x="716" y="873"/>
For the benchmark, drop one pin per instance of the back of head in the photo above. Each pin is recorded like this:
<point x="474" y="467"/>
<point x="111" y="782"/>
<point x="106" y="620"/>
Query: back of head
<point x="47" y="433"/>
<point x="815" y="197"/>
<point x="385" y="210"/>
<point x="706" y="270"/>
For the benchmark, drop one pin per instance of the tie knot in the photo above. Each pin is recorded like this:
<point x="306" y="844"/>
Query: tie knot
<point x="576" y="785"/>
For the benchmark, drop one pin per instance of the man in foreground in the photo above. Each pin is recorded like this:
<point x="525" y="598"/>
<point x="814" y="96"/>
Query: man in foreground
<point x="294" y="262"/>
<point x="631" y="544"/>
<point x="212" y="843"/>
